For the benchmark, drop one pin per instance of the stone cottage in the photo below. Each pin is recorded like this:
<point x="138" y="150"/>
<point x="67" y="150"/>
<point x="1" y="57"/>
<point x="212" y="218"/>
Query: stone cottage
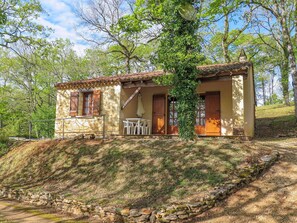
<point x="109" y="105"/>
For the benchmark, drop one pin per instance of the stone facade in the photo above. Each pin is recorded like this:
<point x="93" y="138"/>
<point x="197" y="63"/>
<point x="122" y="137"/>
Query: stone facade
<point x="107" y="123"/>
<point x="234" y="82"/>
<point x="171" y="213"/>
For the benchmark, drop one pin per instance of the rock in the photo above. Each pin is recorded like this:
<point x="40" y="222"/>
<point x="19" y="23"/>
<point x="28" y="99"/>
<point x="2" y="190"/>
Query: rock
<point x="195" y="205"/>
<point x="180" y="213"/>
<point x="143" y="218"/>
<point x="171" y="217"/>
<point x="266" y="158"/>
<point x="153" y="217"/>
<point x="134" y="213"/>
<point x="185" y="216"/>
<point x="146" y="211"/>
<point x="125" y="212"/>
<point x="77" y="211"/>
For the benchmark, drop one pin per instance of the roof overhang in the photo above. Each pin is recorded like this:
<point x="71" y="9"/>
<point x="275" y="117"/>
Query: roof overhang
<point x="206" y="73"/>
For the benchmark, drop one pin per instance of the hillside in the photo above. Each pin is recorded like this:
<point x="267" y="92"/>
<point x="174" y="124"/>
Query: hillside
<point x="125" y="172"/>
<point x="275" y="121"/>
<point x="137" y="172"/>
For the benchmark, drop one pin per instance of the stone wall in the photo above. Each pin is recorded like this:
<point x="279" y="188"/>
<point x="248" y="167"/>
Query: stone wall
<point x="171" y="213"/>
<point x="108" y="121"/>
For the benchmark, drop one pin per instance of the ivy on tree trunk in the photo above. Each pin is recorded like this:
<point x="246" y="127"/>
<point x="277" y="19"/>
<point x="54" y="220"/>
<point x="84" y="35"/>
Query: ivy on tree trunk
<point x="179" y="53"/>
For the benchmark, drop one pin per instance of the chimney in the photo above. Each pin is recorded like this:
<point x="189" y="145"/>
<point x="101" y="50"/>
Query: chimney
<point x="242" y="56"/>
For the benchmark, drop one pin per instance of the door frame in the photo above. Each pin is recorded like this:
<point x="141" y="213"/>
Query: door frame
<point x="165" y="111"/>
<point x="168" y="117"/>
<point x="219" y="94"/>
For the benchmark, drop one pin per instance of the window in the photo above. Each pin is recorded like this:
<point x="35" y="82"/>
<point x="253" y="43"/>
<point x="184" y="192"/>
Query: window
<point x="200" y="115"/>
<point x="85" y="103"/>
<point x="172" y="103"/>
<point x="87" y="107"/>
<point x="172" y="112"/>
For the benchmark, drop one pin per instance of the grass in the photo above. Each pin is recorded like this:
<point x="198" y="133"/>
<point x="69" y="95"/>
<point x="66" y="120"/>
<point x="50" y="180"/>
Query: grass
<point x="137" y="172"/>
<point x="41" y="213"/>
<point x="275" y="120"/>
<point x="125" y="172"/>
<point x="273" y="111"/>
<point x="3" y="220"/>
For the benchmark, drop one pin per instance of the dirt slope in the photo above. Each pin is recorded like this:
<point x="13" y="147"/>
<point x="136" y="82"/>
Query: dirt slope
<point x="270" y="199"/>
<point x="125" y="172"/>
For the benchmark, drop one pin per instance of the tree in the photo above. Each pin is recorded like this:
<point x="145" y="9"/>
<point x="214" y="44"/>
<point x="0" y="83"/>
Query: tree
<point x="103" y="18"/>
<point x="29" y="84"/>
<point x="230" y="11"/>
<point x="284" y="13"/>
<point x="17" y="22"/>
<point x="178" y="52"/>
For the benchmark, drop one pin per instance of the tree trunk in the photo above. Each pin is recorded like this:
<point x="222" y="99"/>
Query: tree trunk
<point x="263" y="91"/>
<point x="292" y="58"/>
<point x="128" y="65"/>
<point x="293" y="69"/>
<point x="285" y="79"/>
<point x="225" y="44"/>
<point x="272" y="85"/>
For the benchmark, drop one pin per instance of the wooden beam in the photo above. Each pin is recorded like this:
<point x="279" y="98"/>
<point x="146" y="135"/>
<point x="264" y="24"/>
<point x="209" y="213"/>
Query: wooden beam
<point x="144" y="84"/>
<point x="131" y="97"/>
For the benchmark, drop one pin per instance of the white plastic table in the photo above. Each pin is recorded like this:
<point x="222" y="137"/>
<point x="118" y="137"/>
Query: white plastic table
<point x="139" y="125"/>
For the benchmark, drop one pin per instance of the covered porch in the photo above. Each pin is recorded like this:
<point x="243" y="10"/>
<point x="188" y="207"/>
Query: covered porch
<point x="225" y="106"/>
<point x="214" y="116"/>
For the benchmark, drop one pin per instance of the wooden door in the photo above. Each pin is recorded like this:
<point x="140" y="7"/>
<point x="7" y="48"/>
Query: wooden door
<point x="159" y="114"/>
<point x="212" y="114"/>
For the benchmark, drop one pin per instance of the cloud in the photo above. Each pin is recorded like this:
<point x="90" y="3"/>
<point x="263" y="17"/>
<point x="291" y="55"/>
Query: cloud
<point x="59" y="16"/>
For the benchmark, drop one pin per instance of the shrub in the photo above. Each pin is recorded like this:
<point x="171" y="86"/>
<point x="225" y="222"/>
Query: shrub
<point x="4" y="144"/>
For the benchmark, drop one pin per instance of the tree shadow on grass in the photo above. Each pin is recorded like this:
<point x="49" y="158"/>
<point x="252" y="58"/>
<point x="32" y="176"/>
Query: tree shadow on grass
<point x="269" y="199"/>
<point x="129" y="173"/>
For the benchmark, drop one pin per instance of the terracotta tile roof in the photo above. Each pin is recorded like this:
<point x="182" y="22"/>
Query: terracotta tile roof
<point x="206" y="71"/>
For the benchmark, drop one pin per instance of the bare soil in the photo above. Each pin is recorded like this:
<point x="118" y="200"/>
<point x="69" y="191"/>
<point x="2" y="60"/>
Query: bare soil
<point x="130" y="173"/>
<point x="270" y="199"/>
<point x="14" y="212"/>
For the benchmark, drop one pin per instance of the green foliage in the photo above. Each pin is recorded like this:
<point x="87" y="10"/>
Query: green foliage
<point x="43" y="121"/>
<point x="178" y="53"/>
<point x="4" y="143"/>
<point x="17" y="22"/>
<point x="28" y="91"/>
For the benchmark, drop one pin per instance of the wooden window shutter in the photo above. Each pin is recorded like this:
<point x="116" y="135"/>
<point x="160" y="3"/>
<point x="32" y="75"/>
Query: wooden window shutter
<point x="74" y="103"/>
<point x="96" y="102"/>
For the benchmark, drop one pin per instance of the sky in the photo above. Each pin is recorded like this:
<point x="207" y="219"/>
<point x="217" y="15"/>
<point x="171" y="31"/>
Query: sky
<point x="59" y="15"/>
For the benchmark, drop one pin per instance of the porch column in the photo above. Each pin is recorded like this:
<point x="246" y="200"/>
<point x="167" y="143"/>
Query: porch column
<point x="238" y="105"/>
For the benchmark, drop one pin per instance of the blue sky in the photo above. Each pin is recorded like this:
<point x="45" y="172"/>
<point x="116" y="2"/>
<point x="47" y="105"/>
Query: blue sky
<point x="59" y="15"/>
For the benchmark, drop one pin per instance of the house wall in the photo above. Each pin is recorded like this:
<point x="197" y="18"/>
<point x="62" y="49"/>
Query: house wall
<point x="147" y="98"/>
<point x="68" y="126"/>
<point x="114" y="97"/>
<point x="249" y="104"/>
<point x="224" y="87"/>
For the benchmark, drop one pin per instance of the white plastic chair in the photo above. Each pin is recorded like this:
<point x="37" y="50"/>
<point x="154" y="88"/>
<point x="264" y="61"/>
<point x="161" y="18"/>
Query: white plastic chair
<point x="138" y="128"/>
<point x="147" y="127"/>
<point x="129" y="127"/>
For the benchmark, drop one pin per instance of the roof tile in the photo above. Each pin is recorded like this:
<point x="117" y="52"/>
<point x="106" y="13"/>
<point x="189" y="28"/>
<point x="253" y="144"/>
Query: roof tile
<point x="206" y="71"/>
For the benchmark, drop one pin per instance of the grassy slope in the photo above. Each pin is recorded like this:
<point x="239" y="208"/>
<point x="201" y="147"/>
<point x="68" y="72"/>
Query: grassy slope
<point x="136" y="173"/>
<point x="275" y="120"/>
<point x="122" y="172"/>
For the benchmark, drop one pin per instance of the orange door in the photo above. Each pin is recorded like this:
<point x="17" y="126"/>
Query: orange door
<point x="159" y="114"/>
<point x="212" y="114"/>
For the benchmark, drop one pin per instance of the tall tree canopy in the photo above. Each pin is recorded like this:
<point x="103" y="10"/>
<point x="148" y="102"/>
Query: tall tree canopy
<point x="17" y="22"/>
<point x="178" y="52"/>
